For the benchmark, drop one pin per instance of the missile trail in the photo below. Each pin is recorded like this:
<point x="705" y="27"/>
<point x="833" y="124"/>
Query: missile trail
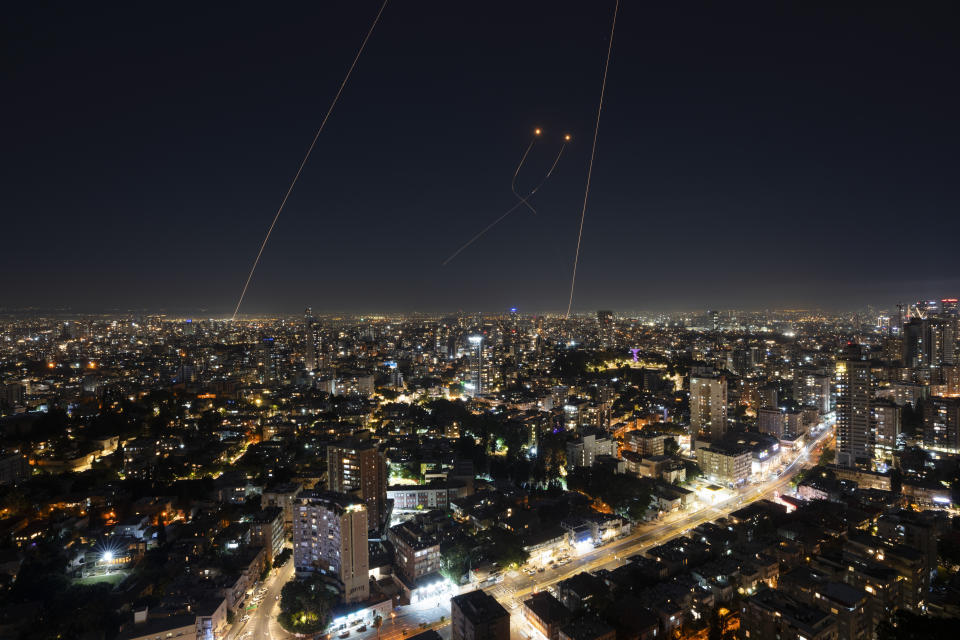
<point x="513" y="183"/>
<point x="563" y="146"/>
<point x="303" y="162"/>
<point x="593" y="153"/>
<point x="483" y="231"/>
<point x="522" y="201"/>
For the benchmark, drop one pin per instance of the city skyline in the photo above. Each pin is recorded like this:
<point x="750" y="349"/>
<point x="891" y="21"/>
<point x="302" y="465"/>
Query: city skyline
<point x="748" y="157"/>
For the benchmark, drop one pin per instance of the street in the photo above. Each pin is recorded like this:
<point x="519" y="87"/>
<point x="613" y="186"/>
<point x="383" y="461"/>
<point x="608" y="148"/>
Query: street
<point x="518" y="586"/>
<point x="262" y="623"/>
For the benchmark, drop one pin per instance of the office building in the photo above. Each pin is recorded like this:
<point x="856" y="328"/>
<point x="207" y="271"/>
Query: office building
<point x="358" y="468"/>
<point x="330" y="537"/>
<point x="478" y="616"/>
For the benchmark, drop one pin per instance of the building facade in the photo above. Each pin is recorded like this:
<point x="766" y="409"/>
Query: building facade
<point x="330" y="537"/>
<point x="708" y="405"/>
<point x="358" y="468"/>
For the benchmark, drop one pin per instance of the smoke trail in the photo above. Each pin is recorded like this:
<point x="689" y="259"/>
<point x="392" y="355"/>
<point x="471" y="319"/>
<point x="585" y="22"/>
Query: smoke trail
<point x="523" y="201"/>
<point x="303" y="162"/>
<point x="593" y="153"/>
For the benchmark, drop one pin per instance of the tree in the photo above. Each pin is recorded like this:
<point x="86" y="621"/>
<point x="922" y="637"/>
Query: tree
<point x="670" y="447"/>
<point x="828" y="456"/>
<point x="693" y="470"/>
<point x="454" y="562"/>
<point x="718" y="629"/>
<point x="305" y="605"/>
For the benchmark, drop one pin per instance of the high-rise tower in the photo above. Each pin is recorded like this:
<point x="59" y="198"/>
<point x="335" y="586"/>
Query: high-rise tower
<point x="358" y="468"/>
<point x="309" y="341"/>
<point x="476" y="364"/>
<point x="708" y="405"/>
<point x="853" y="408"/>
<point x="330" y="536"/>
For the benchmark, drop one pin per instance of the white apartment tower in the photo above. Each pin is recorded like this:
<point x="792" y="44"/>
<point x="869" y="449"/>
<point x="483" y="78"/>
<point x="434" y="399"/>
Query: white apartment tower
<point x="330" y="537"/>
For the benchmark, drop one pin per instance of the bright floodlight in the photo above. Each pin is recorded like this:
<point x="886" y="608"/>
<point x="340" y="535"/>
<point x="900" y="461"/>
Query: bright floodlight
<point x="108" y="556"/>
<point x="475" y="339"/>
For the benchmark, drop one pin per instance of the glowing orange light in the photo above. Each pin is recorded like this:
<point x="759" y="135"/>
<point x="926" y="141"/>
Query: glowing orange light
<point x="536" y="132"/>
<point x="51" y="365"/>
<point x="567" y="137"/>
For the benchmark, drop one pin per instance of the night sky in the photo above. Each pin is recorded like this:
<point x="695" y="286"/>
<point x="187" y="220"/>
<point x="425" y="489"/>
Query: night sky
<point x="775" y="155"/>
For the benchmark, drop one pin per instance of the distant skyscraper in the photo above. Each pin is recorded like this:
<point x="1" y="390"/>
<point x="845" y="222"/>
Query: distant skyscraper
<point x="708" y="405"/>
<point x="309" y="341"/>
<point x="605" y="318"/>
<point x="476" y="364"/>
<point x="330" y="536"/>
<point x="358" y="468"/>
<point x="941" y="423"/>
<point x="929" y="342"/>
<point x="266" y="361"/>
<point x="853" y="408"/>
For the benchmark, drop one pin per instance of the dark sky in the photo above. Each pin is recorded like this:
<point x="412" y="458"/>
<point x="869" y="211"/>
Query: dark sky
<point x="775" y="154"/>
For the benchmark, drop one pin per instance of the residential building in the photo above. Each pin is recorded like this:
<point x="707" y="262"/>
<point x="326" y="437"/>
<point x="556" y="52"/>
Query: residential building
<point x="726" y="465"/>
<point x="590" y="443"/>
<point x="417" y="550"/>
<point x="330" y="536"/>
<point x="772" y="614"/>
<point x="357" y="467"/>
<point x="708" y="405"/>
<point x="546" y="614"/>
<point x="853" y="409"/>
<point x="267" y="530"/>
<point x="476" y="615"/>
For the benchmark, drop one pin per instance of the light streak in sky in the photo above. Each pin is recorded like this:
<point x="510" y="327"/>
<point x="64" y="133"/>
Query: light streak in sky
<point x="593" y="153"/>
<point x="513" y="183"/>
<point x="522" y="199"/>
<point x="303" y="162"/>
